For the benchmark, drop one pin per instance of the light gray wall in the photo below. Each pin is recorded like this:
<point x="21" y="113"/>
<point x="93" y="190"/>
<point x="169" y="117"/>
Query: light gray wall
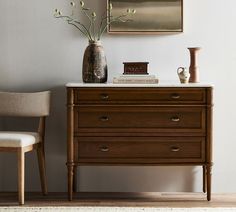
<point x="38" y="52"/>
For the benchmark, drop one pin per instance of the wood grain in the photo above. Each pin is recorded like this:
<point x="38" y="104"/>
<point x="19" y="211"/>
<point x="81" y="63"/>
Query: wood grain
<point x="140" y="126"/>
<point x="21" y="175"/>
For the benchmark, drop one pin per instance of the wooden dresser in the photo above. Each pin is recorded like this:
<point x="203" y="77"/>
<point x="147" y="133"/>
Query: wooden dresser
<point x="139" y="125"/>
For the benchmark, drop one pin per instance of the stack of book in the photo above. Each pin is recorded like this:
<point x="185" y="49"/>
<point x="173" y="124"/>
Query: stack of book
<point x="135" y="79"/>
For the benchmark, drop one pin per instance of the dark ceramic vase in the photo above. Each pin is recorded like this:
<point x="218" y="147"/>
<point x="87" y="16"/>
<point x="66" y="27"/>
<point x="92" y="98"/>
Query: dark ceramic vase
<point x="94" y="63"/>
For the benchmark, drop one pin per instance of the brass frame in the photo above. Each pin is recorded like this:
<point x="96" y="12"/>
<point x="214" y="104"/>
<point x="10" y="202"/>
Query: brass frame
<point x="147" y="32"/>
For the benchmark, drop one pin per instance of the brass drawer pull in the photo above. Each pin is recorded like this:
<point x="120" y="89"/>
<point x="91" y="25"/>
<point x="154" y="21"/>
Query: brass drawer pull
<point x="175" y="119"/>
<point x="104" y="118"/>
<point x="175" y="96"/>
<point x="104" y="96"/>
<point x="104" y="149"/>
<point x="175" y="149"/>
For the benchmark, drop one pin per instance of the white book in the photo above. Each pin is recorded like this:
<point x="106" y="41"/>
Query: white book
<point x="135" y="81"/>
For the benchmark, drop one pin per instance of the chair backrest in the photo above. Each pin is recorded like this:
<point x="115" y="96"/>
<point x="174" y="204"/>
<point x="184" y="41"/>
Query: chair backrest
<point x="25" y="104"/>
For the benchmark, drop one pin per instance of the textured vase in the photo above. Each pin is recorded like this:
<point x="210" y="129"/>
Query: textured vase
<point x="94" y="63"/>
<point x="193" y="69"/>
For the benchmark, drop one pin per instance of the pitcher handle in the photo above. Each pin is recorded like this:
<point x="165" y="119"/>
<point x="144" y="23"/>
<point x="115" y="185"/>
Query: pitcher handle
<point x="180" y="69"/>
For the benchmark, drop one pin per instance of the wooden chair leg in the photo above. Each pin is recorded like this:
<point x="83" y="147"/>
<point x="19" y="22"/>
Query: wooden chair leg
<point x="21" y="175"/>
<point x="42" y="169"/>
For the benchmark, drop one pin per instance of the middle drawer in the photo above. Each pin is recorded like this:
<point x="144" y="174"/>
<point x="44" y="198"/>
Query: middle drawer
<point x="139" y="118"/>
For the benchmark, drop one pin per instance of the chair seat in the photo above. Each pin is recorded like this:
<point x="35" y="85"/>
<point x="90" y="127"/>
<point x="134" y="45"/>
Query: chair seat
<point x="18" y="139"/>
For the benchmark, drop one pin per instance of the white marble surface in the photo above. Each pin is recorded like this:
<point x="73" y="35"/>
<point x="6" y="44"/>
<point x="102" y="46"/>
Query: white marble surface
<point x="161" y="84"/>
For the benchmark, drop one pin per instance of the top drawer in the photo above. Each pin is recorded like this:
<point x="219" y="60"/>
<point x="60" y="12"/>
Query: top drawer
<point x="139" y="95"/>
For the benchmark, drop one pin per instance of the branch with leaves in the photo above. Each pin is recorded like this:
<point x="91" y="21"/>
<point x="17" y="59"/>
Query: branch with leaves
<point x="90" y="31"/>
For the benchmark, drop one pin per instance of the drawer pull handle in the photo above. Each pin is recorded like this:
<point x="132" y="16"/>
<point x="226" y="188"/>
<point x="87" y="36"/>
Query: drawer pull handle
<point x="104" y="96"/>
<point x="175" y="96"/>
<point x="175" y="149"/>
<point x="104" y="118"/>
<point x="104" y="149"/>
<point x="175" y="119"/>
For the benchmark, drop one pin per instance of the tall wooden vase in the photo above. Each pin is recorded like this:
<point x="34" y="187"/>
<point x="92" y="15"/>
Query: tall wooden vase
<point x="193" y="69"/>
<point x="94" y="63"/>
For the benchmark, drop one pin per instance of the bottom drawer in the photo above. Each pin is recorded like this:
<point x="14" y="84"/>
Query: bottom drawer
<point x="141" y="150"/>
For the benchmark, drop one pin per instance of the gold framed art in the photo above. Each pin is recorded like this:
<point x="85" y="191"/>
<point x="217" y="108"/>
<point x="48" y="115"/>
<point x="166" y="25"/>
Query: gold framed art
<point x="151" y="17"/>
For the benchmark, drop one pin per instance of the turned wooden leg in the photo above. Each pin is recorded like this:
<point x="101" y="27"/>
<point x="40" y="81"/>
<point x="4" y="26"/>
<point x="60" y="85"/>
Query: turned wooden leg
<point x="42" y="169"/>
<point x="21" y="175"/>
<point x="75" y="167"/>
<point x="70" y="181"/>
<point x="204" y="175"/>
<point x="70" y="141"/>
<point x="209" y="173"/>
<point x="75" y="179"/>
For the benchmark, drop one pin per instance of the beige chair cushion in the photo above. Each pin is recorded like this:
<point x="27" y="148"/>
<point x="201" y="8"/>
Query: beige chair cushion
<point x="18" y="139"/>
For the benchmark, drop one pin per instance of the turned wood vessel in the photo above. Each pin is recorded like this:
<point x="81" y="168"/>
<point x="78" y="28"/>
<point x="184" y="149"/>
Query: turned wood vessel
<point x="193" y="69"/>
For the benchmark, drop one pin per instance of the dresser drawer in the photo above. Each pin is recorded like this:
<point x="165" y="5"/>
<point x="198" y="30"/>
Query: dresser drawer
<point x="143" y="150"/>
<point x="139" y="95"/>
<point x="139" y="118"/>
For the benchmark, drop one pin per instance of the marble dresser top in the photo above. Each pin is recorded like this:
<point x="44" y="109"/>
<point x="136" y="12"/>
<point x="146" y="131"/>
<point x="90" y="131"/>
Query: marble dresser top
<point x="161" y="84"/>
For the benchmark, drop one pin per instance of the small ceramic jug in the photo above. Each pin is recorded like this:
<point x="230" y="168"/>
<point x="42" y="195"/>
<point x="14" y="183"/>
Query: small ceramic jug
<point x="183" y="74"/>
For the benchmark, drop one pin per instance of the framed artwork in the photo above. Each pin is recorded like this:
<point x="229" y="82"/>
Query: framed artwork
<point x="151" y="17"/>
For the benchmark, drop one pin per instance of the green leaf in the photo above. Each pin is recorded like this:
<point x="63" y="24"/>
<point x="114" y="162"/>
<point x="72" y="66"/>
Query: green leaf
<point x="94" y="14"/>
<point x="81" y="3"/>
<point x="85" y="8"/>
<point x="110" y="6"/>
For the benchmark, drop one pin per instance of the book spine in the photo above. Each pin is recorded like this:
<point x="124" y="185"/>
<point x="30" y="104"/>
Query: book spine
<point x="135" y="81"/>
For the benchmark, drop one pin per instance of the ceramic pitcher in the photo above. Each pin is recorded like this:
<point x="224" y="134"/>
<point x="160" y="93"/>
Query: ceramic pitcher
<point x="183" y="74"/>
